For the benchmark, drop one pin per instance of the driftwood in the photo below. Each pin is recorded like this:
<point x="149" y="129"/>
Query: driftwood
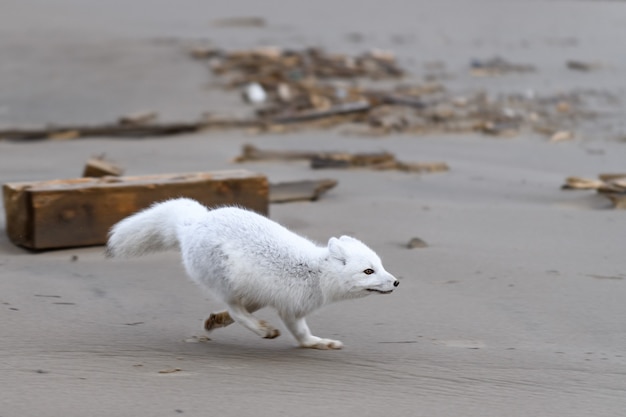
<point x="402" y="100"/>
<point x="98" y="167"/>
<point x="124" y="130"/>
<point x="79" y="212"/>
<point x="583" y="66"/>
<point x="579" y="183"/>
<point x="422" y="167"/>
<point x="252" y="153"/>
<point x="342" y="160"/>
<point x="497" y="66"/>
<point x="348" y="160"/>
<point x="273" y="65"/>
<point x="314" y="114"/>
<point x="608" y="183"/>
<point x="138" y="118"/>
<point x="251" y="21"/>
<point x="377" y="161"/>
<point x="308" y="190"/>
<point x="612" y="186"/>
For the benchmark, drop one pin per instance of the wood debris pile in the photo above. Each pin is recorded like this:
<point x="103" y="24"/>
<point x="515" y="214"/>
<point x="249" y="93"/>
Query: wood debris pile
<point x="311" y="88"/>
<point x="500" y="115"/>
<point x="497" y="66"/>
<point x="380" y="161"/>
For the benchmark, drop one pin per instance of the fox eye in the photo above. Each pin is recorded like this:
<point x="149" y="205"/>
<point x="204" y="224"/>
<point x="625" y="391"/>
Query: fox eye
<point x="368" y="271"/>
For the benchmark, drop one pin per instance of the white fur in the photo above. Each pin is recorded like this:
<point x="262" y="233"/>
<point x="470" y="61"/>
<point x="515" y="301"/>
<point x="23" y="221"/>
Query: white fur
<point x="251" y="262"/>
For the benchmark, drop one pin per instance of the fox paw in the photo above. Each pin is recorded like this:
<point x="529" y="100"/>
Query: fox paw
<point x="322" y="344"/>
<point x="270" y="332"/>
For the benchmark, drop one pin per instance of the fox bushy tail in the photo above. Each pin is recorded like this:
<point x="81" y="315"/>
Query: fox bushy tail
<point x="153" y="229"/>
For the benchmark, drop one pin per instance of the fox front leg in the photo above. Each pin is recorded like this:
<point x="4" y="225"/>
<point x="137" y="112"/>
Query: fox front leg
<point x="300" y="330"/>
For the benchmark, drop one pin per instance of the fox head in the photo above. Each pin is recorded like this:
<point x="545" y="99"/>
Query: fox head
<point x="359" y="270"/>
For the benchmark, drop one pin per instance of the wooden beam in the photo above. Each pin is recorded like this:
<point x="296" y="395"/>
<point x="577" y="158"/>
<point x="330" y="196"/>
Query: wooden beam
<point x="98" y="167"/>
<point x="79" y="212"/>
<point x="307" y="190"/>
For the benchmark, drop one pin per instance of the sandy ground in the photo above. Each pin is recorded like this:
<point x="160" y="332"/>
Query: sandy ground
<point x="516" y="308"/>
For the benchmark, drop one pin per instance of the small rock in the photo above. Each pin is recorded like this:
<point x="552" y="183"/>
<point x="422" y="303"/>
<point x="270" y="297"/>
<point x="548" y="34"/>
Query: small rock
<point x="416" y="242"/>
<point x="561" y="135"/>
<point x="197" y="339"/>
<point x="582" y="66"/>
<point x="169" y="370"/>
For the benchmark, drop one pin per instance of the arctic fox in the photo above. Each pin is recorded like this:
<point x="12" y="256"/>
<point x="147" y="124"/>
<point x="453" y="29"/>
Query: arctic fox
<point x="251" y="262"/>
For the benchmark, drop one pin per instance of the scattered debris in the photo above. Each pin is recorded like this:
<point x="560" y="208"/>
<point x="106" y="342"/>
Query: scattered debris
<point x="79" y="212"/>
<point x="270" y="66"/>
<point x="169" y="370"/>
<point x="578" y="183"/>
<point x="496" y="66"/>
<point x="612" y="186"/>
<point x="561" y="135"/>
<point x="341" y="160"/>
<point x="240" y="22"/>
<point x="376" y="161"/>
<point x="139" y="118"/>
<point x="583" y="66"/>
<point x="309" y="190"/>
<point x="252" y="153"/>
<point x="607" y="277"/>
<point x="204" y="52"/>
<point x="311" y="88"/>
<point x="66" y="134"/>
<point x="197" y="339"/>
<point x="99" y="167"/>
<point x="606" y="183"/>
<point x="348" y="160"/>
<point x="314" y="114"/>
<point x="118" y="130"/>
<point x="416" y="242"/>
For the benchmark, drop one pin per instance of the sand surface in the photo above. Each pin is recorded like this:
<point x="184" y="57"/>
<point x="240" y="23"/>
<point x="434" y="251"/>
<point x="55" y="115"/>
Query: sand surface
<point x="516" y="308"/>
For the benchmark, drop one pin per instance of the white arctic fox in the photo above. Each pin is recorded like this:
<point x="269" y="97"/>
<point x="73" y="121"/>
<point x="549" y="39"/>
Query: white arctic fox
<point x="251" y="262"/>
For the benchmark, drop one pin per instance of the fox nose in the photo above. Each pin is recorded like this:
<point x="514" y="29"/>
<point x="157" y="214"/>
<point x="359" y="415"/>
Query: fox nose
<point x="396" y="283"/>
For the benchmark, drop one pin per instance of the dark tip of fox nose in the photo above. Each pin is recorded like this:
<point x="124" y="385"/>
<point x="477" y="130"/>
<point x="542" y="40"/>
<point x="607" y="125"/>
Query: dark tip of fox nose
<point x="396" y="283"/>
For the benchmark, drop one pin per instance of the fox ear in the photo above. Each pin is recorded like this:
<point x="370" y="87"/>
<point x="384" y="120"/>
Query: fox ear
<point x="336" y="250"/>
<point x="345" y="238"/>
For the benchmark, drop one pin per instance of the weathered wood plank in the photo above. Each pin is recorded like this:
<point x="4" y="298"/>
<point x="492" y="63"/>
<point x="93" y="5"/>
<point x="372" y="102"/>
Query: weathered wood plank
<point x="79" y="212"/>
<point x="307" y="190"/>
<point x="98" y="167"/>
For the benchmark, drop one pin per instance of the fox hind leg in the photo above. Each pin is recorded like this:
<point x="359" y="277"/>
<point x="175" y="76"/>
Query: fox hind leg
<point x="243" y="316"/>
<point x="217" y="320"/>
<point x="222" y="318"/>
